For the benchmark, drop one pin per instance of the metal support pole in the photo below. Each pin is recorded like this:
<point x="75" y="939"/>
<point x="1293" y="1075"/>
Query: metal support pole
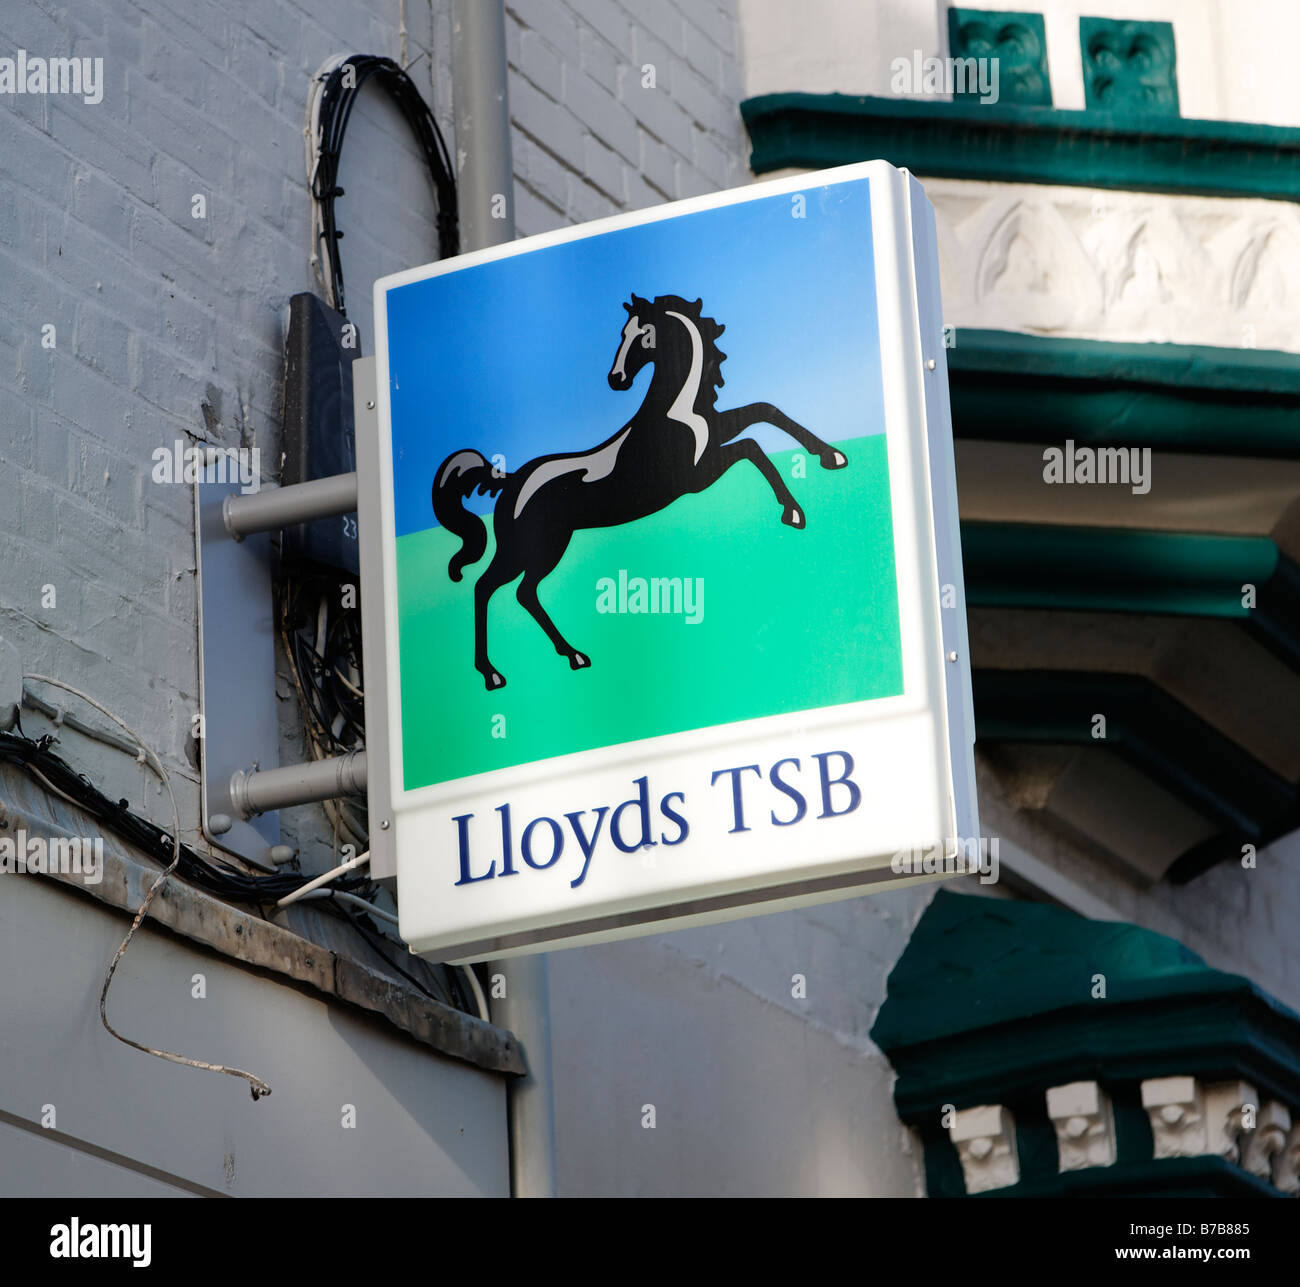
<point x="254" y="791"/>
<point x="484" y="172"/>
<point x="487" y="218"/>
<point x="272" y="508"/>
<point x="525" y="1010"/>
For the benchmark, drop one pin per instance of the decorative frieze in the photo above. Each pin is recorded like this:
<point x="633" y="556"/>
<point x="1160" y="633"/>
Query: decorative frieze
<point x="1224" y="1119"/>
<point x="1130" y="267"/>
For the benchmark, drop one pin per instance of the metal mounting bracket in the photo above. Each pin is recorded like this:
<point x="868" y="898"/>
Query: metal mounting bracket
<point x="383" y="838"/>
<point x="242" y="787"/>
<point x="236" y="673"/>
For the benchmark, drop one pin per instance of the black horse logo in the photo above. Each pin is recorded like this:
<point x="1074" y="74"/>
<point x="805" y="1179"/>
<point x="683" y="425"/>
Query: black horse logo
<point x="677" y="442"/>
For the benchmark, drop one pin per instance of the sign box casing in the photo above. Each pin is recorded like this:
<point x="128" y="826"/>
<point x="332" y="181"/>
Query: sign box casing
<point x="757" y="690"/>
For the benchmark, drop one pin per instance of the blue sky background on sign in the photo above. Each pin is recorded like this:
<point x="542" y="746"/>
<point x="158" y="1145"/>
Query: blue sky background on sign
<point x="512" y="357"/>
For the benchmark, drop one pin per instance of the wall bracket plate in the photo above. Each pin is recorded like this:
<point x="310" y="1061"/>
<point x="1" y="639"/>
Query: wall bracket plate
<point x="383" y="837"/>
<point x="236" y="673"/>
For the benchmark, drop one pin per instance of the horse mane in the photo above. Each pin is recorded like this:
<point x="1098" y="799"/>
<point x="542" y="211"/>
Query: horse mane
<point x="711" y="380"/>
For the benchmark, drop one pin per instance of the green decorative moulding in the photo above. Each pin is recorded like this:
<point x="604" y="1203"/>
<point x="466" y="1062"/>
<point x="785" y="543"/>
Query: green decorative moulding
<point x="994" y="1001"/>
<point x="1129" y="66"/>
<point x="1016" y="40"/>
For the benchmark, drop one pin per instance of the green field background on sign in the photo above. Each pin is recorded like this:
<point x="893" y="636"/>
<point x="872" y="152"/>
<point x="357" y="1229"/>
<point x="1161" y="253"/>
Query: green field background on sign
<point x="792" y="620"/>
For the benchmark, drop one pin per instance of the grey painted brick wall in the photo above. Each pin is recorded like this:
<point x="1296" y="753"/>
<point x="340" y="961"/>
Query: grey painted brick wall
<point x="168" y="327"/>
<point x="618" y="106"/>
<point x="171" y="328"/>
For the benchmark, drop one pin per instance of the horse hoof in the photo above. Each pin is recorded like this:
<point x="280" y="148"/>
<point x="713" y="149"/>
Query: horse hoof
<point x="834" y="460"/>
<point x="793" y="517"/>
<point x="577" y="661"/>
<point x="494" y="680"/>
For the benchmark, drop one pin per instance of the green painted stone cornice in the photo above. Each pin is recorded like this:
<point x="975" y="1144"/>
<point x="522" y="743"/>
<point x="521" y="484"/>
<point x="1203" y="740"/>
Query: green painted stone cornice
<point x="1090" y="149"/>
<point x="1010" y="387"/>
<point x="1157" y="735"/>
<point x="994" y="1001"/>
<point x="1031" y="565"/>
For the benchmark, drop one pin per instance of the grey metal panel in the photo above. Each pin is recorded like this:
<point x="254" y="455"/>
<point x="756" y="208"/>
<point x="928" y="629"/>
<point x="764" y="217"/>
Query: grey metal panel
<point x="236" y="673"/>
<point x="425" y="1125"/>
<point x="38" y="1164"/>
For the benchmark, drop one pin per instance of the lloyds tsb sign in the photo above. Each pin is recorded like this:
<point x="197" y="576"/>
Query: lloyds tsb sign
<point x="672" y="619"/>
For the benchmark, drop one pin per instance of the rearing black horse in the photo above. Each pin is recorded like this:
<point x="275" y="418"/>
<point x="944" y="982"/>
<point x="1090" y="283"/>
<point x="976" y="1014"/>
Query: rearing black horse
<point x="677" y="442"/>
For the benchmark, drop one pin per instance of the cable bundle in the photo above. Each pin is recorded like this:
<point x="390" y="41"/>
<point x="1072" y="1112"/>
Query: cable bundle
<point x="337" y="85"/>
<point x="322" y="643"/>
<point x="217" y="877"/>
<point x="212" y="874"/>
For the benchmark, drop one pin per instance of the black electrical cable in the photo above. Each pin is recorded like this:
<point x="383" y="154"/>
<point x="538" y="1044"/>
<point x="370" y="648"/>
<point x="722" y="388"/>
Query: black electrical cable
<point x="313" y="671"/>
<point x="337" y="98"/>
<point x="211" y="874"/>
<point x="457" y="1001"/>
<point x="343" y="646"/>
<point x="208" y="873"/>
<point x="326" y="672"/>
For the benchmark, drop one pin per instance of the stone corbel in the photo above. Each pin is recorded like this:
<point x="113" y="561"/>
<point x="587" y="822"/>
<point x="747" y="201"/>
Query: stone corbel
<point x="1085" y="1125"/>
<point x="986" y="1143"/>
<point x="1267" y="1140"/>
<point x="1176" y="1107"/>
<point x="1286" y="1163"/>
<point x="1225" y="1102"/>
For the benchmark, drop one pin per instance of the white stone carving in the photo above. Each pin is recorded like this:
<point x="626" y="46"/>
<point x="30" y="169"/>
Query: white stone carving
<point x="1224" y="1102"/>
<point x="1085" y="1125"/>
<point x="1176" y="1107"/>
<point x="1267" y="1140"/>
<point x="1286" y="1164"/>
<point x="986" y="1143"/>
<point x="1191" y="1120"/>
<point x="1133" y="267"/>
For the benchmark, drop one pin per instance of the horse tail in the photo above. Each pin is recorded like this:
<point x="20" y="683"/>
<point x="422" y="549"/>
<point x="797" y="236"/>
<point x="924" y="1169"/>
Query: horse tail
<point x="462" y="473"/>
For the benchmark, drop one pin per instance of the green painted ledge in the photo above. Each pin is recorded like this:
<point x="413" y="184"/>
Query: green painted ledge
<point x="1154" y="732"/>
<point x="1170" y="1177"/>
<point x="1011" y="387"/>
<point x="1090" y="149"/>
<point x="1039" y="565"/>
<point x="1087" y="569"/>
<point x="991" y="1003"/>
<point x="1083" y="569"/>
<point x="1247" y="802"/>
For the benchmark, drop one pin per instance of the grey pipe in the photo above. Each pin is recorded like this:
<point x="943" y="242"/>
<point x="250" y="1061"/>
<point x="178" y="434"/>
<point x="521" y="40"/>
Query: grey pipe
<point x="254" y="791"/>
<point x="487" y="218"/>
<point x="484" y="171"/>
<point x="272" y="508"/>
